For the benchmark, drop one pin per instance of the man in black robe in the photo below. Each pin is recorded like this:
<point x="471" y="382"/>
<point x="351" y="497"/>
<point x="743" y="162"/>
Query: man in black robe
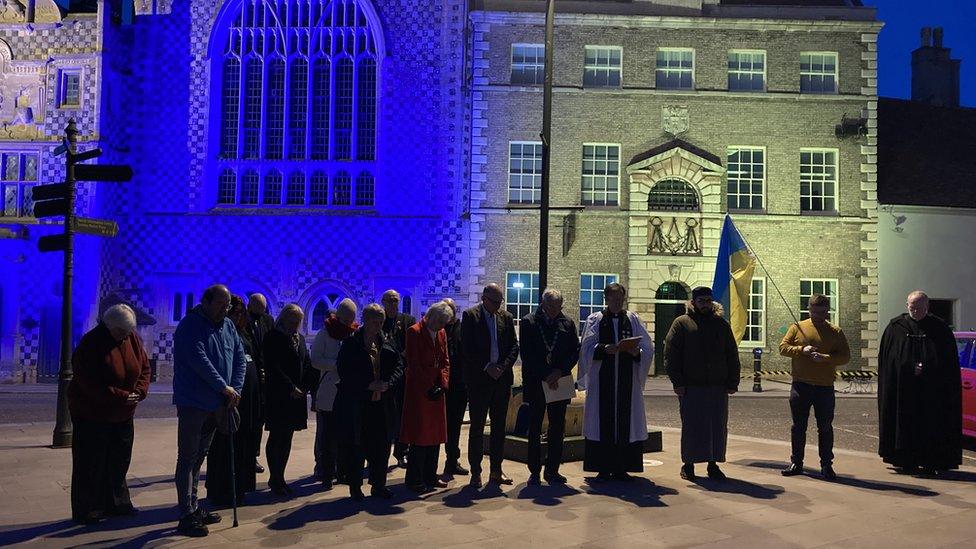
<point x="395" y="329"/>
<point x="261" y="323"/>
<point x="919" y="392"/>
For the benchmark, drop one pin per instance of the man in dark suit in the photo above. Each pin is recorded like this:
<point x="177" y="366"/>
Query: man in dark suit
<point x="550" y="348"/>
<point x="261" y="324"/>
<point x="395" y="328"/>
<point x="488" y="351"/>
<point x="457" y="396"/>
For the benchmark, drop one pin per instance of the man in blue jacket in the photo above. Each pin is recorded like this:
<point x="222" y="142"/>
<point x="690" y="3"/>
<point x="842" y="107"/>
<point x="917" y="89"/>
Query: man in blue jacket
<point x="208" y="373"/>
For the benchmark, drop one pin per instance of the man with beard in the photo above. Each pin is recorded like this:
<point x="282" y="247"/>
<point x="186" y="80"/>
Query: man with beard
<point x="615" y="355"/>
<point x="919" y="393"/>
<point x="702" y="361"/>
<point x="395" y="329"/>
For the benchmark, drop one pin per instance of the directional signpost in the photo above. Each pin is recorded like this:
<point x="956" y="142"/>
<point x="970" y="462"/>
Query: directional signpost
<point x="58" y="200"/>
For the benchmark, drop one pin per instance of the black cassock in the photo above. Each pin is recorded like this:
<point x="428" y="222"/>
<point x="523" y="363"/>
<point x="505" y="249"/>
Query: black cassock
<point x="614" y="453"/>
<point x="919" y="408"/>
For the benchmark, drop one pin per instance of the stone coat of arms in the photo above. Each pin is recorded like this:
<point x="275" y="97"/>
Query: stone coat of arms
<point x="674" y="119"/>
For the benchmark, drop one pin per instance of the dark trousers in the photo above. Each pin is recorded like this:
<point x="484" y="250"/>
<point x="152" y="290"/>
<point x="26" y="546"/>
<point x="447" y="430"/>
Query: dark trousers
<point x="194" y="433"/>
<point x="536" y="399"/>
<point x="399" y="448"/>
<point x="100" y="457"/>
<point x="457" y="401"/>
<point x="277" y="452"/>
<point x="422" y="465"/>
<point x="484" y="401"/>
<point x="802" y="396"/>
<point x="326" y="448"/>
<point x="373" y="450"/>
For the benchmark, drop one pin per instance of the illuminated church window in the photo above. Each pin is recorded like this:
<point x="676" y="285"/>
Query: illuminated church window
<point x="295" y="92"/>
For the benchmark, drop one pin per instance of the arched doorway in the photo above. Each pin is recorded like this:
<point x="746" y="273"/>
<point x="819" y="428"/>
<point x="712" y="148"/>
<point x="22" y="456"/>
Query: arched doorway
<point x="669" y="304"/>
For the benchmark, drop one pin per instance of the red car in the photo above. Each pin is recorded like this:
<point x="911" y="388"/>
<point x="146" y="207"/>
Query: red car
<point x="966" y="344"/>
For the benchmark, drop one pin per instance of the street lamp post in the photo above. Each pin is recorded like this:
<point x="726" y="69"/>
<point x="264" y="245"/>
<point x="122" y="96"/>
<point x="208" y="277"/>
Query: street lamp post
<point x="546" y="144"/>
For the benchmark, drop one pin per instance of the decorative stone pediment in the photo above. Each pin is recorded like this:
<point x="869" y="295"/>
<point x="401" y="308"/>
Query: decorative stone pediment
<point x="22" y="97"/>
<point x="676" y="160"/>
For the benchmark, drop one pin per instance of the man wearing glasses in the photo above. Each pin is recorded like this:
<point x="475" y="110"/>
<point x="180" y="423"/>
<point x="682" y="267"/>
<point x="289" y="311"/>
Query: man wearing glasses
<point x="488" y="352"/>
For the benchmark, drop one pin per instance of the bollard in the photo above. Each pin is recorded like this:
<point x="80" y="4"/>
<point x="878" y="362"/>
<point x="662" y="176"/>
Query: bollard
<point x="757" y="368"/>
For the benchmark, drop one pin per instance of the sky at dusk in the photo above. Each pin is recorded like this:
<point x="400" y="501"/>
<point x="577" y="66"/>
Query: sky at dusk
<point x="903" y="20"/>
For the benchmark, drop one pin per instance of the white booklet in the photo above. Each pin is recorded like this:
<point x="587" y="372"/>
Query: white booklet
<point x="565" y="391"/>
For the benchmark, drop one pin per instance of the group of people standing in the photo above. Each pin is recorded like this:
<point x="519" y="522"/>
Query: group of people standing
<point x="392" y="383"/>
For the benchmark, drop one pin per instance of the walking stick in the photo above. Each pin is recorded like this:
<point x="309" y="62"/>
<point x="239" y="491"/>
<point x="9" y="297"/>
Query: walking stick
<point x="233" y="474"/>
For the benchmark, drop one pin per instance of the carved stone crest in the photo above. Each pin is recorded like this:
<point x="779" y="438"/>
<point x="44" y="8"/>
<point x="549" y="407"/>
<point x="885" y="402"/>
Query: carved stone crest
<point x="674" y="119"/>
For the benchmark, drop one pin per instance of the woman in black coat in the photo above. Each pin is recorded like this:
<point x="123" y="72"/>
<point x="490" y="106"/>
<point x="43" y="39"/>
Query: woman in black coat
<point x="370" y="368"/>
<point x="290" y="375"/>
<point x="246" y="441"/>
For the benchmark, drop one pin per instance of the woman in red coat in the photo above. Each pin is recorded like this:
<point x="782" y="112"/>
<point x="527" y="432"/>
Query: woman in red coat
<point x="424" y="422"/>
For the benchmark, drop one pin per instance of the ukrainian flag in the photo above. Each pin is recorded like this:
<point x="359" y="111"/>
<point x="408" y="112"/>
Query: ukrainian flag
<point x="733" y="277"/>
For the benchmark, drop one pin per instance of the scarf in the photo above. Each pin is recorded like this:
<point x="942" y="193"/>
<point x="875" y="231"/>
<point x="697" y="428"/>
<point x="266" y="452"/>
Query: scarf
<point x="337" y="330"/>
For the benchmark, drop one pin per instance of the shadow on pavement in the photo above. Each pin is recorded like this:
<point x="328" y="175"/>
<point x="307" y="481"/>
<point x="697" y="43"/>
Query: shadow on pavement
<point x="65" y="529"/>
<point x="640" y="491"/>
<point x="739" y="486"/>
<point x="549" y="495"/>
<point x="909" y="489"/>
<point x="334" y="510"/>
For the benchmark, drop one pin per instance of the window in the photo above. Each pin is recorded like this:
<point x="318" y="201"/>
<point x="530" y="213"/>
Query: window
<point x="342" y="189"/>
<point x="69" y="88"/>
<point x="18" y="175"/>
<point x="297" y="94"/>
<point x="675" y="69"/>
<point x="182" y="304"/>
<point x="528" y="64"/>
<point x="601" y="174"/>
<point x="524" y="172"/>
<point x="827" y="287"/>
<point x="321" y="307"/>
<point x="747" y="71"/>
<point x="672" y="195"/>
<point x="602" y="67"/>
<point x="365" y="189"/>
<point x="756" y="314"/>
<point x="818" y="180"/>
<point x="591" y="294"/>
<point x="249" y="188"/>
<point x="818" y="72"/>
<point x="521" y="293"/>
<point x="746" y="178"/>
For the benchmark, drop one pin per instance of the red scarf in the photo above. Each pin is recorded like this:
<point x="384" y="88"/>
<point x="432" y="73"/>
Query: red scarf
<point x="337" y="330"/>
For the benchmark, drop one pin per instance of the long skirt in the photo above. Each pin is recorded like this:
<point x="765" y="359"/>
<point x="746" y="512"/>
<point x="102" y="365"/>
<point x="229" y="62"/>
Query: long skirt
<point x="100" y="457"/>
<point x="704" y="424"/>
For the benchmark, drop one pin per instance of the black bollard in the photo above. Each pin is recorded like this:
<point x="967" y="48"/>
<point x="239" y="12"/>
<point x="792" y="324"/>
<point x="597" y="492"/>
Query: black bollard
<point x="757" y="370"/>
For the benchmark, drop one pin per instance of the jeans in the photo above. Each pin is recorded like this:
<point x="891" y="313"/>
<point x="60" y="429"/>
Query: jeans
<point x="195" y="430"/>
<point x="802" y="396"/>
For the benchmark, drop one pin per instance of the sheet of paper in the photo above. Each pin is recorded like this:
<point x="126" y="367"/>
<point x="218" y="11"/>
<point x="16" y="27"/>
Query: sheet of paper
<point x="565" y="391"/>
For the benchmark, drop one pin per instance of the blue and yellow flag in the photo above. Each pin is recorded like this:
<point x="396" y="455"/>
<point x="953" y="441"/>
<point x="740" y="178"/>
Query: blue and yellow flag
<point x="733" y="277"/>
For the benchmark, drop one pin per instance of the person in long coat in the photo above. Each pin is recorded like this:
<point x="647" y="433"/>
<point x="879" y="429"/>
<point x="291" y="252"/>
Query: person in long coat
<point x="251" y="413"/>
<point x="111" y="377"/>
<point x="261" y="323"/>
<point x="370" y="367"/>
<point x="290" y="375"/>
<point x="456" y="398"/>
<point x="919" y="392"/>
<point x="395" y="326"/>
<point x="613" y="374"/>
<point x="702" y="362"/>
<point x="424" y="422"/>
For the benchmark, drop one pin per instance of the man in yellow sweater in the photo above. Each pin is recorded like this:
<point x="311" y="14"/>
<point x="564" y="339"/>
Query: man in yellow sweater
<point x="817" y="348"/>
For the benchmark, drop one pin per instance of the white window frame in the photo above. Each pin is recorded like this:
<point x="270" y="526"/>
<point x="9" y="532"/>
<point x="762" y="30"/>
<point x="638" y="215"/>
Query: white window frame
<point x="740" y="71"/>
<point x="761" y="342"/>
<point x="533" y="189"/>
<point x="63" y="75"/>
<point x="834" y="297"/>
<point x="518" y="304"/>
<point x="678" y="70"/>
<point x="595" y="292"/>
<point x="836" y="73"/>
<point x="762" y="196"/>
<point x="527" y="66"/>
<point x="605" y="202"/>
<point x="619" y="68"/>
<point x="20" y="185"/>
<point x="836" y="181"/>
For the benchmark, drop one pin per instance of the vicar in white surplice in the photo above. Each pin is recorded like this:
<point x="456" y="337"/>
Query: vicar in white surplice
<point x="615" y="355"/>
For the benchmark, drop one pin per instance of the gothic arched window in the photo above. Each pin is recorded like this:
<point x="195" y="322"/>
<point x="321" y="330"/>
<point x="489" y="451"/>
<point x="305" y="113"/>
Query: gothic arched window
<point x="297" y="86"/>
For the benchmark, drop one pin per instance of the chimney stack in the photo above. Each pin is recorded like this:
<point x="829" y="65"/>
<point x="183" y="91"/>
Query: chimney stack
<point x="935" y="75"/>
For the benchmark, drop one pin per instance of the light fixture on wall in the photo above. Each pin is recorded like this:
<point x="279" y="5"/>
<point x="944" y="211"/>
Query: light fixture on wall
<point x="898" y="219"/>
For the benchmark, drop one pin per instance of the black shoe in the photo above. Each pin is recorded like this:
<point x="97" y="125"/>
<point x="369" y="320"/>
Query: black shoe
<point x="258" y="468"/>
<point x="456" y="469"/>
<point x="356" y="493"/>
<point x="554" y="478"/>
<point x="534" y="480"/>
<point x="688" y="471"/>
<point x="603" y="477"/>
<point x="91" y="518"/>
<point x="327" y="485"/>
<point x="715" y="473"/>
<point x="382" y="493"/>
<point x="402" y="462"/>
<point x="206" y="517"/>
<point x="793" y="470"/>
<point x="828" y="472"/>
<point x="624" y="477"/>
<point x="190" y="526"/>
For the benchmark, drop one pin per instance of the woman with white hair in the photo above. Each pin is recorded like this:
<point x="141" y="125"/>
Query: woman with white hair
<point x="111" y="376"/>
<point x="424" y="422"/>
<point x="290" y="376"/>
